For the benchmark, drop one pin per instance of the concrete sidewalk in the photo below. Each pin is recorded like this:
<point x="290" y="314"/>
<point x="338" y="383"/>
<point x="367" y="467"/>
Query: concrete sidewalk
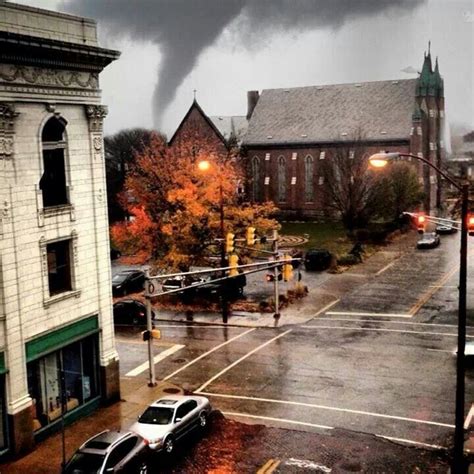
<point x="47" y="456"/>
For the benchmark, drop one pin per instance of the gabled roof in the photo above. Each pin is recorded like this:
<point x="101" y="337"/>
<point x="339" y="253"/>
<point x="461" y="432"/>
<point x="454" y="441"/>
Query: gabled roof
<point x="232" y="126"/>
<point x="196" y="106"/>
<point x="379" y="110"/>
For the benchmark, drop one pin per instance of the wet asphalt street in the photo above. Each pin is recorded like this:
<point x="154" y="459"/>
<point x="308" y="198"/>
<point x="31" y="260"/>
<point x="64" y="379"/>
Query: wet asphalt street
<point x="379" y="361"/>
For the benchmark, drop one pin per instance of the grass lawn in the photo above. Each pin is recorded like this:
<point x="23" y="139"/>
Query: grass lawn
<point x="328" y="235"/>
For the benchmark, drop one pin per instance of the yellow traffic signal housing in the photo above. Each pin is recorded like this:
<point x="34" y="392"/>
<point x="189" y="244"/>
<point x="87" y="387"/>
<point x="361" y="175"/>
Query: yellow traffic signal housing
<point x="229" y="242"/>
<point x="155" y="334"/>
<point x="233" y="263"/>
<point x="251" y="238"/>
<point x="287" y="269"/>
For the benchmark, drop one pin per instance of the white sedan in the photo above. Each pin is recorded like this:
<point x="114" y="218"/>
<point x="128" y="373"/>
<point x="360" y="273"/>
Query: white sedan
<point x="169" y="419"/>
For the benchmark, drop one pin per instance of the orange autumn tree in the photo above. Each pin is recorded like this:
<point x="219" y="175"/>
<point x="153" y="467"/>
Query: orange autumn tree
<point x="178" y="220"/>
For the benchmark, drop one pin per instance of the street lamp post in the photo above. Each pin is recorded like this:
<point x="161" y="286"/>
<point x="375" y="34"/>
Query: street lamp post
<point x="205" y="165"/>
<point x="379" y="160"/>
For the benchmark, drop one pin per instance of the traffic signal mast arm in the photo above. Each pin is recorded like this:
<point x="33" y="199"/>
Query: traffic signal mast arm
<point x="436" y="220"/>
<point x="253" y="268"/>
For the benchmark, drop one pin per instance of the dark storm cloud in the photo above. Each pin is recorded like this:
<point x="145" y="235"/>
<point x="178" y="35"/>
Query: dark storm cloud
<point x="184" y="28"/>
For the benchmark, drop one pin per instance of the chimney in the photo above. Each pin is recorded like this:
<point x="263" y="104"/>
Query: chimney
<point x="252" y="99"/>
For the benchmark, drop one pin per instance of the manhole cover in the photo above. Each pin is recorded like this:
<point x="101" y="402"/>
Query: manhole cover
<point x="171" y="390"/>
<point x="179" y="361"/>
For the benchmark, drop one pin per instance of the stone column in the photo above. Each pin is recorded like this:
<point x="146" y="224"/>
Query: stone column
<point x="109" y="360"/>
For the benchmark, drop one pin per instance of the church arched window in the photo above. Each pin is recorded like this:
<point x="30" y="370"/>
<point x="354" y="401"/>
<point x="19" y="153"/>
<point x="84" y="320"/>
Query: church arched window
<point x="308" y="178"/>
<point x="256" y="178"/>
<point x="281" y="179"/>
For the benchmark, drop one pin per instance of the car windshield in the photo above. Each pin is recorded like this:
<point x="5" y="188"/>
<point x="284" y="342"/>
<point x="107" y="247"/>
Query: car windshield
<point x="85" y="463"/>
<point x="157" y="416"/>
<point x="120" y="278"/>
<point x="428" y="236"/>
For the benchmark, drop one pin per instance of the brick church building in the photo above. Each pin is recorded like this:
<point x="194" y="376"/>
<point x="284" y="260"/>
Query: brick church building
<point x="288" y="132"/>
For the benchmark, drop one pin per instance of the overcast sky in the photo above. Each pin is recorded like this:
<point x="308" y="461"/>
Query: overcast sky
<point x="222" y="48"/>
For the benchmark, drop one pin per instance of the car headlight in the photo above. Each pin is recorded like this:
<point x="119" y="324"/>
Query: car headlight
<point x="156" y="441"/>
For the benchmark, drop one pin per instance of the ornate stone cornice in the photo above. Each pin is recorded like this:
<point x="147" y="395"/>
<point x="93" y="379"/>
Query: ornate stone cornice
<point x="38" y="76"/>
<point x="96" y="115"/>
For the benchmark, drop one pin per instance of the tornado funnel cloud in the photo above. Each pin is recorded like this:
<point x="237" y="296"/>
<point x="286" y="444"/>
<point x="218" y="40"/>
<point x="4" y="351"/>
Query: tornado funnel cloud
<point x="183" y="29"/>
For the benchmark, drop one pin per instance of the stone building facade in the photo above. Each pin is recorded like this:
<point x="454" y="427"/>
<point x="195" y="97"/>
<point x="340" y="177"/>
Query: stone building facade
<point x="291" y="131"/>
<point x="57" y="351"/>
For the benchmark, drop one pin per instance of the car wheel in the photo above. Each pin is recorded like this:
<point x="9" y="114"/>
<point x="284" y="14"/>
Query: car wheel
<point x="168" y="447"/>
<point x="203" y="420"/>
<point x="142" y="468"/>
<point x="135" y="321"/>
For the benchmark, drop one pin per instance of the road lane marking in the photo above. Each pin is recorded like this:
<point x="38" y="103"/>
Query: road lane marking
<point x="441" y="350"/>
<point x="269" y="466"/>
<point x="162" y="355"/>
<point x="281" y="420"/>
<point x="385" y="268"/>
<point x="439" y="284"/>
<point x="204" y="385"/>
<point x="305" y="464"/>
<point x="207" y="353"/>
<point x="184" y="325"/>
<point x="409" y="441"/>
<point x="325" y="407"/>
<point x="330" y="305"/>
<point x="467" y="423"/>
<point x="380" y="315"/>
<point x="392" y="322"/>
<point x="403" y="331"/>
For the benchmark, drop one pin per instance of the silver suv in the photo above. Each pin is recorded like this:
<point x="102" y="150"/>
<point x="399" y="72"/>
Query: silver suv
<point x="109" y="452"/>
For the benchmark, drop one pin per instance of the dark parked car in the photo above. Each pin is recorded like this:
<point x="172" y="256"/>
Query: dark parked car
<point x="115" y="254"/>
<point x="429" y="240"/>
<point x="446" y="229"/>
<point x="128" y="281"/>
<point x="110" y="451"/>
<point x="131" y="311"/>
<point x="317" y="259"/>
<point x="233" y="287"/>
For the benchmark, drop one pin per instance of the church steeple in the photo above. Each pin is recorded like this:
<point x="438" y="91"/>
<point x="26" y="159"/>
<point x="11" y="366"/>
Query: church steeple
<point x="429" y="80"/>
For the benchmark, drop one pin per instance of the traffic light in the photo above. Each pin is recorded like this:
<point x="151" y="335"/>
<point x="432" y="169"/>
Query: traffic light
<point x="233" y="262"/>
<point x="155" y="334"/>
<point x="420" y="223"/>
<point x="470" y="225"/>
<point x="287" y="269"/>
<point x="251" y="238"/>
<point x="146" y="335"/>
<point x="229" y="242"/>
<point x="270" y="277"/>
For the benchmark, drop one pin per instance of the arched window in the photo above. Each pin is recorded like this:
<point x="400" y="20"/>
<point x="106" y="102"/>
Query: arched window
<point x="308" y="178"/>
<point x="256" y="178"/>
<point x="281" y="179"/>
<point x="53" y="182"/>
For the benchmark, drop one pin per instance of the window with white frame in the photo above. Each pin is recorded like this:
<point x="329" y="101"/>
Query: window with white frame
<point x="294" y="155"/>
<point x="322" y="155"/>
<point x="419" y="131"/>
<point x="267" y="156"/>
<point x="351" y="154"/>
<point x="321" y="180"/>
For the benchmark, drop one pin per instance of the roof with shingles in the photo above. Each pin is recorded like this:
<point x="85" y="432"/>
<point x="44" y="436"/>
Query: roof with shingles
<point x="379" y="110"/>
<point x="233" y="126"/>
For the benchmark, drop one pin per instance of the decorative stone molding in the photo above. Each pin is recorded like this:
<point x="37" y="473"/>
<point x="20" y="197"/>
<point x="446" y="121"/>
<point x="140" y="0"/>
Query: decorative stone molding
<point x="7" y="129"/>
<point x="97" y="143"/>
<point x="4" y="214"/>
<point x="29" y="75"/>
<point x="96" y="115"/>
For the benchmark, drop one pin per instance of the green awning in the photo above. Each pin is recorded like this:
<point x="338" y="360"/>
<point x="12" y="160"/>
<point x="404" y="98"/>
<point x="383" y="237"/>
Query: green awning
<point x="58" y="338"/>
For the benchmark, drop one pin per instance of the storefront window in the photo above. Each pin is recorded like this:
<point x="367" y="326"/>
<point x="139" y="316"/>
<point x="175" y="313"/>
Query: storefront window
<point x="78" y="362"/>
<point x="3" y="441"/>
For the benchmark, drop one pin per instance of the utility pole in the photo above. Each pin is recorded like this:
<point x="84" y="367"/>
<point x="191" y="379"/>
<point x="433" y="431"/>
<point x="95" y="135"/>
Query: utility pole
<point x="225" y="308"/>
<point x="275" y="273"/>
<point x="149" y="327"/>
